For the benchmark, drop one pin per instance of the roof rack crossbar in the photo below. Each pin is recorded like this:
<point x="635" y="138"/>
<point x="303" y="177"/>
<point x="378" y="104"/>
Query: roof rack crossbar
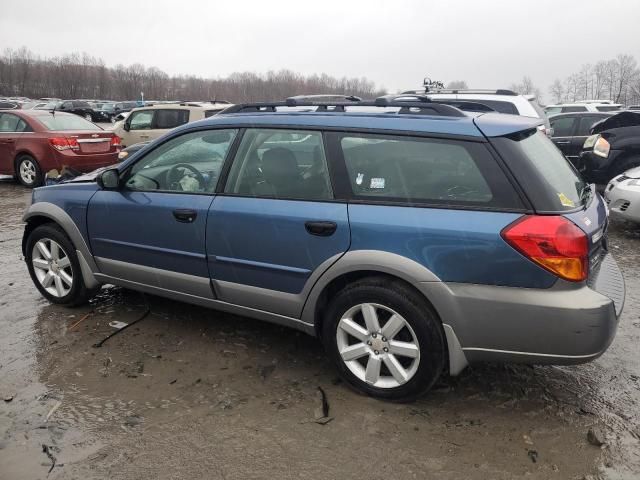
<point x="293" y="101"/>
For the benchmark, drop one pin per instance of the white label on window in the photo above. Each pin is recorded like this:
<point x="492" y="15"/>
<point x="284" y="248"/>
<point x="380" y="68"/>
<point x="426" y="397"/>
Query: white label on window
<point x="377" y="183"/>
<point x="359" y="178"/>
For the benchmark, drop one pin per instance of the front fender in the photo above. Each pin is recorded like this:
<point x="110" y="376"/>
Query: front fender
<point x="57" y="215"/>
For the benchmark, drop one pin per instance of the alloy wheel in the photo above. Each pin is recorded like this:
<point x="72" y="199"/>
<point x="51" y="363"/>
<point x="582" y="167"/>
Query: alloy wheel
<point x="28" y="171"/>
<point x="52" y="267"/>
<point x="378" y="345"/>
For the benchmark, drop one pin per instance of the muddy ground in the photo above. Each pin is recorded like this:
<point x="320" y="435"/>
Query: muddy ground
<point x="192" y="393"/>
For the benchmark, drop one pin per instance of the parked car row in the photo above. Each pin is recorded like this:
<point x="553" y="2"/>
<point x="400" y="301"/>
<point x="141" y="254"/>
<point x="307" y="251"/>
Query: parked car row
<point x="32" y="142"/>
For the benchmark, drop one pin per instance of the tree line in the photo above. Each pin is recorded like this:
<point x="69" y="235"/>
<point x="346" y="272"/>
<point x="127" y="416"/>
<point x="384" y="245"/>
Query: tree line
<point x="617" y="79"/>
<point x="80" y="75"/>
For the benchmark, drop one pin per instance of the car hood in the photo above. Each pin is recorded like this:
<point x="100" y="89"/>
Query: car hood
<point x="633" y="173"/>
<point x="622" y="119"/>
<point x="87" y="177"/>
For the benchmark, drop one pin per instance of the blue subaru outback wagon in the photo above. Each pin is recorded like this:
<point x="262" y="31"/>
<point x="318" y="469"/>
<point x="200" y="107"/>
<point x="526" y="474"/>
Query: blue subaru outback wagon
<point x="412" y="237"/>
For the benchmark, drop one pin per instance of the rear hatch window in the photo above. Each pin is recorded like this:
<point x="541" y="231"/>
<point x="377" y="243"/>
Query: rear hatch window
<point x="61" y="122"/>
<point x="548" y="178"/>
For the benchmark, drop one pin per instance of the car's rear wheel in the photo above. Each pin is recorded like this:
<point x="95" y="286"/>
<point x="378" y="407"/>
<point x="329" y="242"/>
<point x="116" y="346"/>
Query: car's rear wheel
<point x="54" y="267"/>
<point x="28" y="171"/>
<point x="385" y="339"/>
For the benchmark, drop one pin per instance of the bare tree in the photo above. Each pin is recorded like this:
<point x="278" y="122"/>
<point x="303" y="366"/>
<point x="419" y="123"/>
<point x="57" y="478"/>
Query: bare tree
<point x="557" y="91"/>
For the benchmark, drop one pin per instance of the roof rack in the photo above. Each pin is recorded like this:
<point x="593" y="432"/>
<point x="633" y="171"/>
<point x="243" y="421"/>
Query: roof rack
<point x="456" y="91"/>
<point x="413" y="104"/>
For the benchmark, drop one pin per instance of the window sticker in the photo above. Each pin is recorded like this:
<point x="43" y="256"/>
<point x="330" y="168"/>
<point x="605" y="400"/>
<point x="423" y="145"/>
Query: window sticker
<point x="377" y="183"/>
<point x="359" y="178"/>
<point x="565" y="201"/>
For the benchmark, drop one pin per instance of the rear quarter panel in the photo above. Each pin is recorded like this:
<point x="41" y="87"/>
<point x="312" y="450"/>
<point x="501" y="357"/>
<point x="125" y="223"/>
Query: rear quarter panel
<point x="462" y="246"/>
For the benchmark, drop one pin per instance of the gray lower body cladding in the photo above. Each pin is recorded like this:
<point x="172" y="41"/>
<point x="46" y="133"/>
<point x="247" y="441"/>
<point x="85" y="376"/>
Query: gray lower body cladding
<point x="566" y="324"/>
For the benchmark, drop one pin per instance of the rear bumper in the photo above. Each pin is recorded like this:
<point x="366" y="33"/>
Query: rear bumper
<point x="565" y="324"/>
<point x="85" y="163"/>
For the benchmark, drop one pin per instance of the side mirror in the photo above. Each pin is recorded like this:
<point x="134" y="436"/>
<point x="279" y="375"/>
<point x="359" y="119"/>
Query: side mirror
<point x="109" y="179"/>
<point x="126" y="126"/>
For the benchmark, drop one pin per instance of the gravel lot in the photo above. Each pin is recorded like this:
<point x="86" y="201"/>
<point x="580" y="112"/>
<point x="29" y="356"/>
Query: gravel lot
<point x="193" y="393"/>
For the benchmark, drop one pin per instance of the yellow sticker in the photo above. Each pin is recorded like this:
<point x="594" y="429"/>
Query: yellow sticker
<point x="565" y="201"/>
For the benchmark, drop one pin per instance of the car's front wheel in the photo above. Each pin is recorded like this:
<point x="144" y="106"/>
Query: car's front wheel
<point x="54" y="267"/>
<point x="385" y="339"/>
<point x="88" y="117"/>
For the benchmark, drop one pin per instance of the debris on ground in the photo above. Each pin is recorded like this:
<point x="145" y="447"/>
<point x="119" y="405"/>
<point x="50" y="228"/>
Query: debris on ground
<point x="47" y="451"/>
<point x="117" y="324"/>
<point x="321" y="413"/>
<point x="9" y="398"/>
<point x="533" y="455"/>
<point x="596" y="437"/>
<point x="80" y="321"/>
<point x="142" y="317"/>
<point x="132" y="421"/>
<point x="53" y="410"/>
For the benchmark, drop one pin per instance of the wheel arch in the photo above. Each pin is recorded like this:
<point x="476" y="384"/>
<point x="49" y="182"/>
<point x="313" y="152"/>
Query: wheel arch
<point x="43" y="213"/>
<point x="356" y="265"/>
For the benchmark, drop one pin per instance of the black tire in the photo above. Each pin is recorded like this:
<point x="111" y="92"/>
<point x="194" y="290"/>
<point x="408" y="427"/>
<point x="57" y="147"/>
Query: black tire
<point x="416" y="311"/>
<point x="625" y="164"/>
<point x="78" y="293"/>
<point x="26" y="163"/>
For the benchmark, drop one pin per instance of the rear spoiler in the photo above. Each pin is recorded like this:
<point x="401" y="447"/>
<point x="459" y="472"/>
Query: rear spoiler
<point x="494" y="124"/>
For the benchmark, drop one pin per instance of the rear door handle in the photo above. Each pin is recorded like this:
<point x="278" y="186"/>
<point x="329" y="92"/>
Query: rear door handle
<point x="185" y="215"/>
<point x="563" y="142"/>
<point x="321" y="229"/>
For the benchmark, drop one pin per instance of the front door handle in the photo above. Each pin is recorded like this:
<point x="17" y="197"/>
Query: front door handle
<point x="185" y="215"/>
<point x="321" y="229"/>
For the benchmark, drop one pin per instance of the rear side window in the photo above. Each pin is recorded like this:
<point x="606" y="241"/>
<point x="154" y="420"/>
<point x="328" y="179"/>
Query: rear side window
<point x="498" y="106"/>
<point x="608" y="108"/>
<point x="61" y="121"/>
<point x="78" y="104"/>
<point x="211" y="113"/>
<point x="418" y="170"/>
<point x="165" y="119"/>
<point x="573" y="109"/>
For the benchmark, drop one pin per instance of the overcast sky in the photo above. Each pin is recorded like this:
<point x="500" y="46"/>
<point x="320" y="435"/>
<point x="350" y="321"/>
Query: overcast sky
<point x="395" y="43"/>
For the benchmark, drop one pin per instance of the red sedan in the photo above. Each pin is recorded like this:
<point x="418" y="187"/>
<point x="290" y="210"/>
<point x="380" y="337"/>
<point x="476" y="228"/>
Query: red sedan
<point x="32" y="142"/>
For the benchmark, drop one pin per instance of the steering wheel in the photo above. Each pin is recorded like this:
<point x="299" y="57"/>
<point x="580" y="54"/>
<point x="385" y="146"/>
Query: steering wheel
<point x="174" y="176"/>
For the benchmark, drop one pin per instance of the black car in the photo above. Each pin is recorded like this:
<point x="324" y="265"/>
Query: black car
<point x="79" y="107"/>
<point x="570" y="130"/>
<point x="120" y="107"/>
<point x="8" y="105"/>
<point x="612" y="149"/>
<point x="106" y="112"/>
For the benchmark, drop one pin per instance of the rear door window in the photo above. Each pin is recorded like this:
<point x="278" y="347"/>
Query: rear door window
<point x="584" y="128"/>
<point x="166" y="119"/>
<point x="8" y="122"/>
<point x="421" y="170"/>
<point x="563" y="126"/>
<point x="284" y="164"/>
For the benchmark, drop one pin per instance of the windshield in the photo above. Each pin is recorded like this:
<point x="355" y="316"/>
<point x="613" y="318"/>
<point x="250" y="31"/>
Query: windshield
<point x="59" y="122"/>
<point x="553" y="110"/>
<point x="108" y="107"/>
<point x="562" y="185"/>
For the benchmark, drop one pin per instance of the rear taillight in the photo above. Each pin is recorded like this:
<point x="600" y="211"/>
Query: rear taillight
<point x="64" y="143"/>
<point x="553" y="242"/>
<point x="116" y="141"/>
